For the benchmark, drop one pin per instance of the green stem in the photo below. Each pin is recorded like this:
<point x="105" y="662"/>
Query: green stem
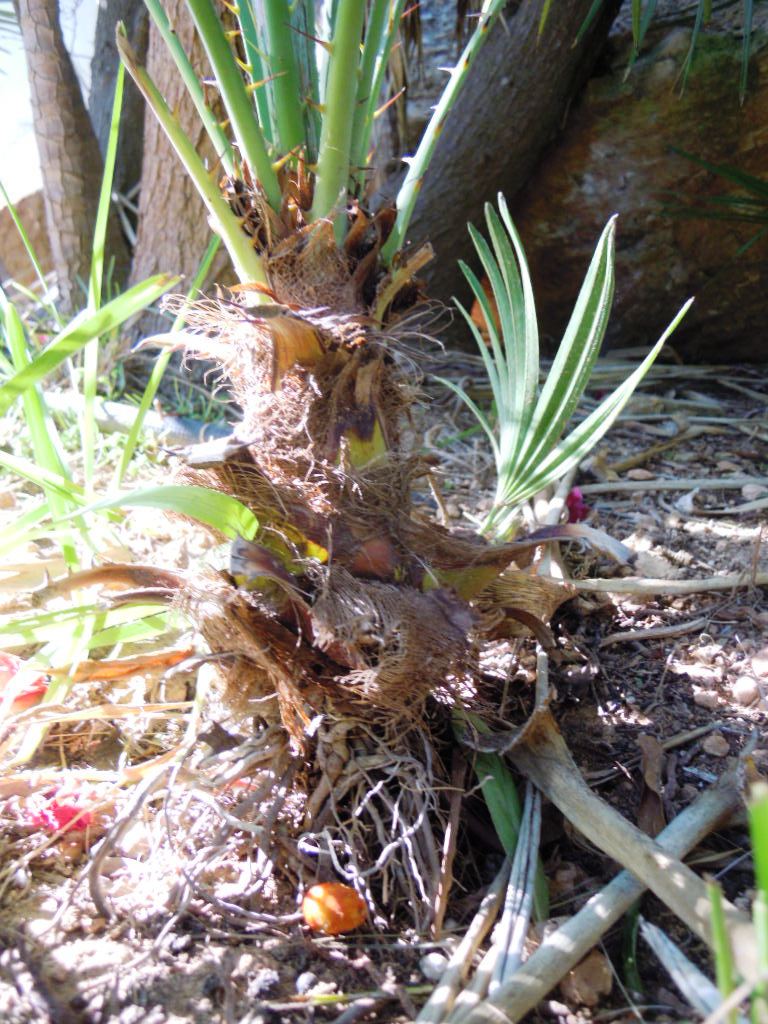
<point x="219" y="140"/>
<point x="373" y="50"/>
<point x="285" y="84"/>
<point x="248" y="264"/>
<point x="253" y="148"/>
<point x="332" y="176"/>
<point x="256" y="73"/>
<point x="409" y="190"/>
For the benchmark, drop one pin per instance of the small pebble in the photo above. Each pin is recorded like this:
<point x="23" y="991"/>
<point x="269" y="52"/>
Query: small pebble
<point x="745" y="691"/>
<point x="432" y="965"/>
<point x="706" y="699"/>
<point x="753" y="491"/>
<point x="759" y="663"/>
<point x="7" y="499"/>
<point x="716" y="745"/>
<point x="305" y="981"/>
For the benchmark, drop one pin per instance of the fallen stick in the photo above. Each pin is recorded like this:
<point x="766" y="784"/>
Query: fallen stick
<point x="543" y="757"/>
<point x="649" y="587"/>
<point x="719" y="483"/>
<point x="563" y="949"/>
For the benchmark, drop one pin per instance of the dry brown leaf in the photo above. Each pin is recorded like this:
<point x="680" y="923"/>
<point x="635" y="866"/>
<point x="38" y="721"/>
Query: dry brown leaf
<point x="589" y="981"/>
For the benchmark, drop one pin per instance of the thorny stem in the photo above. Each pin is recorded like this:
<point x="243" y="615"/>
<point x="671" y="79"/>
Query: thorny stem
<point x="236" y="100"/>
<point x="285" y="72"/>
<point x="409" y="190"/>
<point x="332" y="176"/>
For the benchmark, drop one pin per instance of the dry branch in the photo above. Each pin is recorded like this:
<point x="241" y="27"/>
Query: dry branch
<point x="569" y="944"/>
<point x="649" y="587"/>
<point x="543" y="757"/>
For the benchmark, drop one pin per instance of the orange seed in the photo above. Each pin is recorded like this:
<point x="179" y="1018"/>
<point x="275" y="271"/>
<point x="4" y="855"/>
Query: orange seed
<point x="333" y="908"/>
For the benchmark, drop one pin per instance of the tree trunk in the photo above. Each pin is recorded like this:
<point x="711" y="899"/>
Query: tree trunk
<point x="104" y="67"/>
<point x="512" y="105"/>
<point x="173" y="226"/>
<point x="70" y="160"/>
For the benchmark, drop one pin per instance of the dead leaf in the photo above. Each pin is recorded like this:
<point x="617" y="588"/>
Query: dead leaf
<point x="589" y="981"/>
<point x="650" y="813"/>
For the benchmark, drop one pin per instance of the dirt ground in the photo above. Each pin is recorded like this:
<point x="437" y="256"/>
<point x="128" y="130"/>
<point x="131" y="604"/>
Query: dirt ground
<point x="661" y="692"/>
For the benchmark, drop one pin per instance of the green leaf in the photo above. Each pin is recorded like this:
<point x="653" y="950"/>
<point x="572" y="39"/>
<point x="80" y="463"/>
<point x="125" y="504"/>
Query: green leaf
<point x="221" y="511"/>
<point x="80" y="331"/>
<point x="577" y="353"/>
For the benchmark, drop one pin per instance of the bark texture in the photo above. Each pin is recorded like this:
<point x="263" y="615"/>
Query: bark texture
<point x="512" y="105"/>
<point x="173" y="227"/>
<point x="70" y="160"/>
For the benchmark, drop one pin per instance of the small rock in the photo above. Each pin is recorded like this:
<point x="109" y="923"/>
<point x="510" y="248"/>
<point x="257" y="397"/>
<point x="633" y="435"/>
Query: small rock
<point x="432" y="965"/>
<point x="305" y="982"/>
<point x="745" y="691"/>
<point x="716" y="745"/>
<point x="706" y="699"/>
<point x="7" y="499"/>
<point x="759" y="663"/>
<point x="726" y="466"/>
<point x="753" y="491"/>
<point x="264" y="981"/>
<point x="640" y="474"/>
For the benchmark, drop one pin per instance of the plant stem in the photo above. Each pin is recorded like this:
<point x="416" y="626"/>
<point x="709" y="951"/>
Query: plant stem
<point x="409" y="190"/>
<point x="251" y="44"/>
<point x="251" y="142"/>
<point x="283" y="67"/>
<point x="332" y="175"/>
<point x="221" y="144"/>
<point x="248" y="264"/>
<point x="366" y="101"/>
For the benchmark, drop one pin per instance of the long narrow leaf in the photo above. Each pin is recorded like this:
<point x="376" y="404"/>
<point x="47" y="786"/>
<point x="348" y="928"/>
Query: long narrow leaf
<point x="89" y="428"/>
<point x="577" y="353"/>
<point x="586" y="435"/>
<point x="517" y="276"/>
<point x="30" y="251"/>
<point x="76" y="334"/>
<point x="161" y="364"/>
<point x="221" y="511"/>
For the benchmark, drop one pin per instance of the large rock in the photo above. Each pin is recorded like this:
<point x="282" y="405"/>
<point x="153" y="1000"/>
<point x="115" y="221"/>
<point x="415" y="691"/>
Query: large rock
<point x="615" y="156"/>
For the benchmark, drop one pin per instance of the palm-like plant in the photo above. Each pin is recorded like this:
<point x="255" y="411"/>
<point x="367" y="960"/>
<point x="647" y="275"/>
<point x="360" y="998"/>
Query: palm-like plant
<point x="348" y="617"/>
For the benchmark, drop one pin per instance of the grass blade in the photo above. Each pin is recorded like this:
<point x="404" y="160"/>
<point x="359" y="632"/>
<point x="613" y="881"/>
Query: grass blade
<point x="160" y="366"/>
<point x="721" y="946"/>
<point x="214" y="508"/>
<point x="88" y="427"/>
<point x="77" y="333"/>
